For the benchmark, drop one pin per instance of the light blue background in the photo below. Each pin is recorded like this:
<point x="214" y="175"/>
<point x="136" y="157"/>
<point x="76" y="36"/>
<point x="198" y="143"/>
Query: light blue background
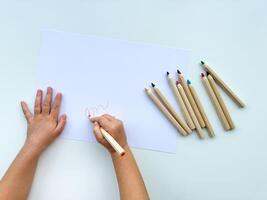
<point x="231" y="35"/>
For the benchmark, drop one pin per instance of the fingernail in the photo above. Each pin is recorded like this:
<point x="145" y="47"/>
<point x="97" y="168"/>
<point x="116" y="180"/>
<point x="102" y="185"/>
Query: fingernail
<point x="49" y="88"/>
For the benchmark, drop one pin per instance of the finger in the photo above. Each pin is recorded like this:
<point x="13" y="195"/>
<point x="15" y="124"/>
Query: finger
<point x="109" y="117"/>
<point x="61" y="124"/>
<point x="97" y="132"/>
<point x="56" y="106"/>
<point x="38" y="102"/>
<point x="47" y="101"/>
<point x="102" y="121"/>
<point x="27" y="113"/>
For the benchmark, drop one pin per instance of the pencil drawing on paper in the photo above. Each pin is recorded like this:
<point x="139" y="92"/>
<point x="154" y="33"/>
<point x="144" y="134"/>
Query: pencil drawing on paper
<point x="96" y="110"/>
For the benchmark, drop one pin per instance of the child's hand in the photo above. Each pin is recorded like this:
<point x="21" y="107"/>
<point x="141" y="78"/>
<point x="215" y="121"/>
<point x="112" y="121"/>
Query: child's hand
<point x="44" y="125"/>
<point x="113" y="126"/>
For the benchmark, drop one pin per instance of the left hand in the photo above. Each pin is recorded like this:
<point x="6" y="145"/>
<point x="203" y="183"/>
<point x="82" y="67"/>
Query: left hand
<point x="44" y="126"/>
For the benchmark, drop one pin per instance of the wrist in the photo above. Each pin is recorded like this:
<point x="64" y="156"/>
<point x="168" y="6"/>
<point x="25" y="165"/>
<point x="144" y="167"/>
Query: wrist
<point x="31" y="149"/>
<point x="125" y="147"/>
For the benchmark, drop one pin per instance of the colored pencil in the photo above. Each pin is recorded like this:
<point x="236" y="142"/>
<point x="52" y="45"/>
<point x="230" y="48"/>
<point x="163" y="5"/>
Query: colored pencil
<point x="190" y="110"/>
<point x="170" y="108"/>
<point x="164" y="110"/>
<point x="224" y="86"/>
<point x="190" y="98"/>
<point x="221" y="102"/>
<point x="180" y="102"/>
<point x="201" y="109"/>
<point x="112" y="142"/>
<point x="215" y="102"/>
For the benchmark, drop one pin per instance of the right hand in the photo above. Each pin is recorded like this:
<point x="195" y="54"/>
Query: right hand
<point x="113" y="126"/>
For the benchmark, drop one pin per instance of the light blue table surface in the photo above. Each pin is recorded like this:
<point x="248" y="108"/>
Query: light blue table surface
<point x="231" y="35"/>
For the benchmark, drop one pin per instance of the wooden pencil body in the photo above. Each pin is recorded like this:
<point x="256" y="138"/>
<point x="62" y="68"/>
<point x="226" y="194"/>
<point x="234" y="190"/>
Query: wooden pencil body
<point x="181" y="103"/>
<point x="192" y="102"/>
<point x="221" y="102"/>
<point x="202" y="111"/>
<point x="171" y="109"/>
<point x="165" y="112"/>
<point x="112" y="142"/>
<point x="190" y="110"/>
<point x="216" y="103"/>
<point x="224" y="86"/>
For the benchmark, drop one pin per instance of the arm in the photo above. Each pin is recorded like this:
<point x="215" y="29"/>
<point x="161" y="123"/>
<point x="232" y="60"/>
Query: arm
<point x="130" y="181"/>
<point x="43" y="127"/>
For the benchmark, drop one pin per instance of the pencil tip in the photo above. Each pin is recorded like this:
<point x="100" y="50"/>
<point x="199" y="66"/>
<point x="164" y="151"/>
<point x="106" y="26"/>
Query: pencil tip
<point x="202" y="75"/>
<point x="178" y="71"/>
<point x="177" y="82"/>
<point x="153" y="85"/>
<point x="188" y="82"/>
<point x="208" y="73"/>
<point x="168" y="73"/>
<point x="146" y="89"/>
<point x="202" y="62"/>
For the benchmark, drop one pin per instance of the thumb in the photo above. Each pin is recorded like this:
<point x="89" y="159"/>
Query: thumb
<point x="61" y="124"/>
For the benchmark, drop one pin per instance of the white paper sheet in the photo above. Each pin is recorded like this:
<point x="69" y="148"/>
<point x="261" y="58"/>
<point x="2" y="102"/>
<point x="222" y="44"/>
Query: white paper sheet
<point x="103" y="75"/>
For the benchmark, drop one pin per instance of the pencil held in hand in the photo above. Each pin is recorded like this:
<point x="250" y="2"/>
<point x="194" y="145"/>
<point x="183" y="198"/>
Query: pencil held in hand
<point x="114" y="126"/>
<point x="112" y="142"/>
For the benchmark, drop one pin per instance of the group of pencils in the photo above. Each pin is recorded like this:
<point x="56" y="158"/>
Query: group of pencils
<point x="192" y="109"/>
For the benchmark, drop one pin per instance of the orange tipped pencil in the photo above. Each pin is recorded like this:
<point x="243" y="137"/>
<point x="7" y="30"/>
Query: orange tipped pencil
<point x="115" y="145"/>
<point x="215" y="102"/>
<point x="190" y="99"/>
<point x="112" y="142"/>
<point x="224" y="86"/>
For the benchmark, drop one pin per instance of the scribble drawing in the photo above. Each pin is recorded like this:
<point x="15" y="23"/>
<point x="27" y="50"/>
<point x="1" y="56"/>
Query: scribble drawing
<point x="96" y="110"/>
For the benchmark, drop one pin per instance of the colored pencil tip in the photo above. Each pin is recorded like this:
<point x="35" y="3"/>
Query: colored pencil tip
<point x="188" y="82"/>
<point x="178" y="71"/>
<point x="202" y="75"/>
<point x="153" y="85"/>
<point x="146" y="89"/>
<point x="177" y="82"/>
<point x="208" y="73"/>
<point x="168" y="73"/>
<point x="202" y="62"/>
